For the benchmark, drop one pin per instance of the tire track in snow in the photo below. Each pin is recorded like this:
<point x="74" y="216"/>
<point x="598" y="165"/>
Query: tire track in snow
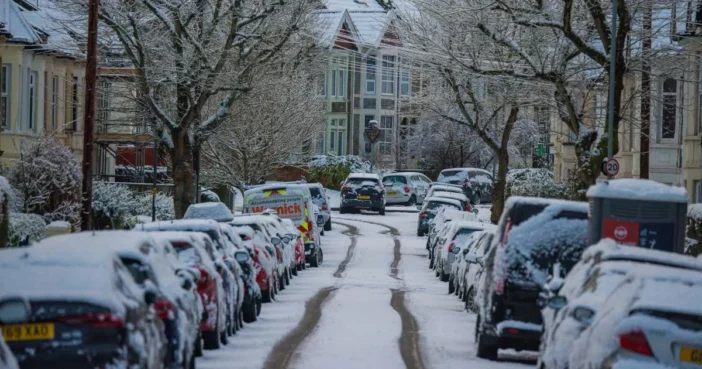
<point x="282" y="353"/>
<point x="409" y="339"/>
<point x="394" y="233"/>
<point x="352" y="232"/>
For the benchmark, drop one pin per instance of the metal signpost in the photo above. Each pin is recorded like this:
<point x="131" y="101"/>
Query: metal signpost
<point x="372" y="133"/>
<point x="612" y="71"/>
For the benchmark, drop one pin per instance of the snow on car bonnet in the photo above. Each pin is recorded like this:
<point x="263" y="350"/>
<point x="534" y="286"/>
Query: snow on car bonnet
<point x="556" y="235"/>
<point x="637" y="189"/>
<point x="209" y="210"/>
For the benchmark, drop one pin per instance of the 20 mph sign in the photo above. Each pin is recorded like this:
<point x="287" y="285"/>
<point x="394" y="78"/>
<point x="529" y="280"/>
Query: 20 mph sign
<point x="610" y="167"/>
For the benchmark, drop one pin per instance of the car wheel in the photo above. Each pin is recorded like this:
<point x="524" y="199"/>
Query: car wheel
<point x="322" y="232"/>
<point x="431" y="262"/>
<point x="298" y="267"/>
<point x="315" y="261"/>
<point x="381" y="211"/>
<point x="241" y="317"/>
<point x="258" y="306"/>
<point x="419" y="233"/>
<point x="295" y="269"/>
<point x="191" y="362"/>
<point x="211" y="340"/>
<point x="281" y="283"/>
<point x="328" y="225"/>
<point x="229" y="330"/>
<point x="444" y="276"/>
<point x="451" y="287"/>
<point x="224" y="337"/>
<point x="250" y="311"/>
<point x="287" y="277"/>
<point x="484" y="350"/>
<point x="470" y="301"/>
<point x="459" y="292"/>
<point x="197" y="351"/>
<point x="268" y="295"/>
<point x="412" y="201"/>
<point x="342" y="211"/>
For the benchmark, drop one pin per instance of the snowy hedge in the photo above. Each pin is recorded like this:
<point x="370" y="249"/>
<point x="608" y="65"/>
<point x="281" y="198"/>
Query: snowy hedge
<point x="693" y="232"/>
<point x="331" y="170"/>
<point x="26" y="226"/>
<point x="534" y="182"/>
<point x="115" y="206"/>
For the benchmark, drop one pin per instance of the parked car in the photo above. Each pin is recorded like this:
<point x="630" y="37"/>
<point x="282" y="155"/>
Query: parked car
<point x="461" y="265"/>
<point x="320" y="198"/>
<point x="82" y="308"/>
<point x="216" y="211"/>
<point x="450" y="245"/>
<point x="456" y="196"/>
<point x="474" y="270"/>
<point x="575" y="302"/>
<point x="197" y="251"/>
<point x="298" y="245"/>
<point x="430" y="209"/>
<point x="263" y="262"/>
<point x="651" y="320"/>
<point x="362" y="191"/>
<point x="476" y="183"/>
<point x="442" y="187"/>
<point x="405" y="188"/>
<point x="532" y="236"/>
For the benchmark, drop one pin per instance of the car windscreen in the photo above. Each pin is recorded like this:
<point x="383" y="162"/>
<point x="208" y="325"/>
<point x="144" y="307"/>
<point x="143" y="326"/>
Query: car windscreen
<point x="395" y="180"/>
<point x="187" y="254"/>
<point x="461" y="237"/>
<point x="136" y="269"/>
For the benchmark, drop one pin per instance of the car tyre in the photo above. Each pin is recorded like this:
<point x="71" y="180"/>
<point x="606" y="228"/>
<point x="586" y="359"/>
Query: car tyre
<point x="197" y="351"/>
<point x="224" y="337"/>
<point x="342" y="211"/>
<point x="451" y="287"/>
<point x="211" y="340"/>
<point x="250" y="312"/>
<point x="381" y="211"/>
<point x="470" y="301"/>
<point x="191" y="362"/>
<point x="484" y="351"/>
<point x="328" y="225"/>
<point x="322" y="232"/>
<point x="295" y="269"/>
<point x="412" y="201"/>
<point x="419" y="233"/>
<point x="315" y="261"/>
<point x="431" y="260"/>
<point x="299" y="266"/>
<point x="281" y="283"/>
<point x="444" y="276"/>
<point x="268" y="295"/>
<point x="287" y="277"/>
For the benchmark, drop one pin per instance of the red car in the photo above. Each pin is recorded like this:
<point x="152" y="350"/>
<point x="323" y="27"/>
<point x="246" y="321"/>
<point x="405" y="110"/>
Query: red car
<point x="296" y="237"/>
<point x="264" y="262"/>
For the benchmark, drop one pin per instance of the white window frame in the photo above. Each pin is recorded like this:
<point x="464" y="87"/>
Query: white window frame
<point x="404" y="82"/>
<point x="387" y="131"/>
<point x="388" y="75"/>
<point x="54" y="100"/>
<point x="341" y="83"/>
<point x="676" y="96"/>
<point x="32" y="99"/>
<point x="5" y="94"/>
<point x="371" y="75"/>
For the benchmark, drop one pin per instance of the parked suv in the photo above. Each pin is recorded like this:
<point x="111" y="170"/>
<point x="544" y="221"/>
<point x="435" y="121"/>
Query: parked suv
<point x="405" y="188"/>
<point x="362" y="191"/>
<point x="476" y="183"/>
<point x="534" y="238"/>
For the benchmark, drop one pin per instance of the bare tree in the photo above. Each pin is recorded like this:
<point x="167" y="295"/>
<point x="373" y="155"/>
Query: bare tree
<point x="194" y="60"/>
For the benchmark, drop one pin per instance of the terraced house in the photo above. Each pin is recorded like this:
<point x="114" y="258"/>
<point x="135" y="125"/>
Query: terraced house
<point x="42" y="78"/>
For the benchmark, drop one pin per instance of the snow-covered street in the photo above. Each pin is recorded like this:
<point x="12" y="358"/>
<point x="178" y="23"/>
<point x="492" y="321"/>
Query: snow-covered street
<point x="372" y="304"/>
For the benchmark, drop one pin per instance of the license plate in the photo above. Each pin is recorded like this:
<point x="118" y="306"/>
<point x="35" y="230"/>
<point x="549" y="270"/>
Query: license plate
<point x="392" y="193"/>
<point x="363" y="197"/>
<point x="691" y="355"/>
<point x="28" y="332"/>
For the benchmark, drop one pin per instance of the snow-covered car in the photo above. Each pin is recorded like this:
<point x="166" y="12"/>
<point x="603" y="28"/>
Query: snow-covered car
<point x="196" y="250"/>
<point x="270" y="228"/>
<point x="476" y="183"/>
<point x="7" y="358"/>
<point x="532" y="236"/>
<point x="430" y="210"/>
<point x="456" y="196"/>
<point x="298" y="245"/>
<point x="474" y="271"/>
<point x="362" y="191"/>
<point x="61" y="306"/>
<point x="576" y="301"/>
<point x="443" y="187"/>
<point x="320" y="198"/>
<point x="264" y="263"/>
<point x="405" y="188"/>
<point x="437" y="234"/>
<point x="460" y="265"/>
<point x="652" y="319"/>
<point x="206" y="226"/>
<point x="216" y="211"/>
<point x="450" y="246"/>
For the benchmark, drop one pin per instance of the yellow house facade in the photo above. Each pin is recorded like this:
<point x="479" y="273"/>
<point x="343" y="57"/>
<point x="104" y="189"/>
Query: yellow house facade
<point x="42" y="85"/>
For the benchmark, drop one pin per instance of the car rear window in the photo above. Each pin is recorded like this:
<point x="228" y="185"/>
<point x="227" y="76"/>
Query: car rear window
<point x="316" y="192"/>
<point x="395" y="180"/>
<point x="453" y="176"/>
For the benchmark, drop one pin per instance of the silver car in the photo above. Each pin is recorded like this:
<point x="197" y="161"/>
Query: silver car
<point x="407" y="188"/>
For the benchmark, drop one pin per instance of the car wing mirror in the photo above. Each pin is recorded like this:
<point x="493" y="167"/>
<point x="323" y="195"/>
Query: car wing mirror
<point x="186" y="283"/>
<point x="557" y="302"/>
<point x="241" y="256"/>
<point x="456" y="250"/>
<point x="320" y="220"/>
<point x="275" y="241"/>
<point x="286" y="239"/>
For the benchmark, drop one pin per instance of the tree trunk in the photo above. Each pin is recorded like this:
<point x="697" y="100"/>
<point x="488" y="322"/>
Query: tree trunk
<point x="182" y="162"/>
<point x="4" y="221"/>
<point x="498" y="189"/>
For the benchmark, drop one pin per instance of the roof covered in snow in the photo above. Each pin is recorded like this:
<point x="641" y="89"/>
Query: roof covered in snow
<point x="370" y="25"/>
<point x="328" y="26"/>
<point x="16" y="23"/>
<point x="352" y="5"/>
<point x="638" y="189"/>
<point x="364" y="176"/>
<point x="203" y="225"/>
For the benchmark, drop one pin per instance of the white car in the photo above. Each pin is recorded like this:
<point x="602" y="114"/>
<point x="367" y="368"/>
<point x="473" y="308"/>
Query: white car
<point x="405" y="188"/>
<point x="451" y="243"/>
<point x="474" y="270"/>
<point x="601" y="269"/>
<point x="652" y="319"/>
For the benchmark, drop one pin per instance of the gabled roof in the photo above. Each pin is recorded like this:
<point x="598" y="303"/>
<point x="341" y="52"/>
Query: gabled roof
<point x="62" y="31"/>
<point x="336" y="29"/>
<point x="371" y="25"/>
<point x="352" y="5"/>
<point x="16" y="24"/>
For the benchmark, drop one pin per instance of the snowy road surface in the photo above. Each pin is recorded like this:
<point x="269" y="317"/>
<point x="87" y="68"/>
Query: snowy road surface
<point x="372" y="304"/>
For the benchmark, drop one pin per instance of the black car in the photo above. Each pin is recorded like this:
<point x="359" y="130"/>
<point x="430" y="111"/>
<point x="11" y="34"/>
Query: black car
<point x="476" y="183"/>
<point x="533" y="236"/>
<point x="362" y="191"/>
<point x="61" y="309"/>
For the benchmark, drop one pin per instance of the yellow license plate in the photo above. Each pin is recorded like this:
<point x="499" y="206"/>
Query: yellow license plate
<point x="392" y="192"/>
<point x="27" y="332"/>
<point x="363" y="197"/>
<point x="691" y="355"/>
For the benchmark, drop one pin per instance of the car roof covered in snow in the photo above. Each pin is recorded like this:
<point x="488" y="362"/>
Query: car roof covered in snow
<point x="363" y="176"/>
<point x="669" y="289"/>
<point x="579" y="205"/>
<point x="608" y="249"/>
<point x="638" y="189"/>
<point x="209" y="210"/>
<point x="403" y="174"/>
<point x="243" y="229"/>
<point x="466" y="170"/>
<point x="446" y="188"/>
<point x="459" y="223"/>
<point x="202" y="225"/>
<point x="444" y="200"/>
<point x="450" y="195"/>
<point x="273" y="186"/>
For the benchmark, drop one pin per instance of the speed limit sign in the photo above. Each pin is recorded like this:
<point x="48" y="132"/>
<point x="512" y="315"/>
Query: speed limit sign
<point x="610" y="168"/>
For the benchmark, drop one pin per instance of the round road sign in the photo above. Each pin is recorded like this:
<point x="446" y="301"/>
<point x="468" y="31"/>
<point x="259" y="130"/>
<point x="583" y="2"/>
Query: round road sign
<point x="610" y="167"/>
